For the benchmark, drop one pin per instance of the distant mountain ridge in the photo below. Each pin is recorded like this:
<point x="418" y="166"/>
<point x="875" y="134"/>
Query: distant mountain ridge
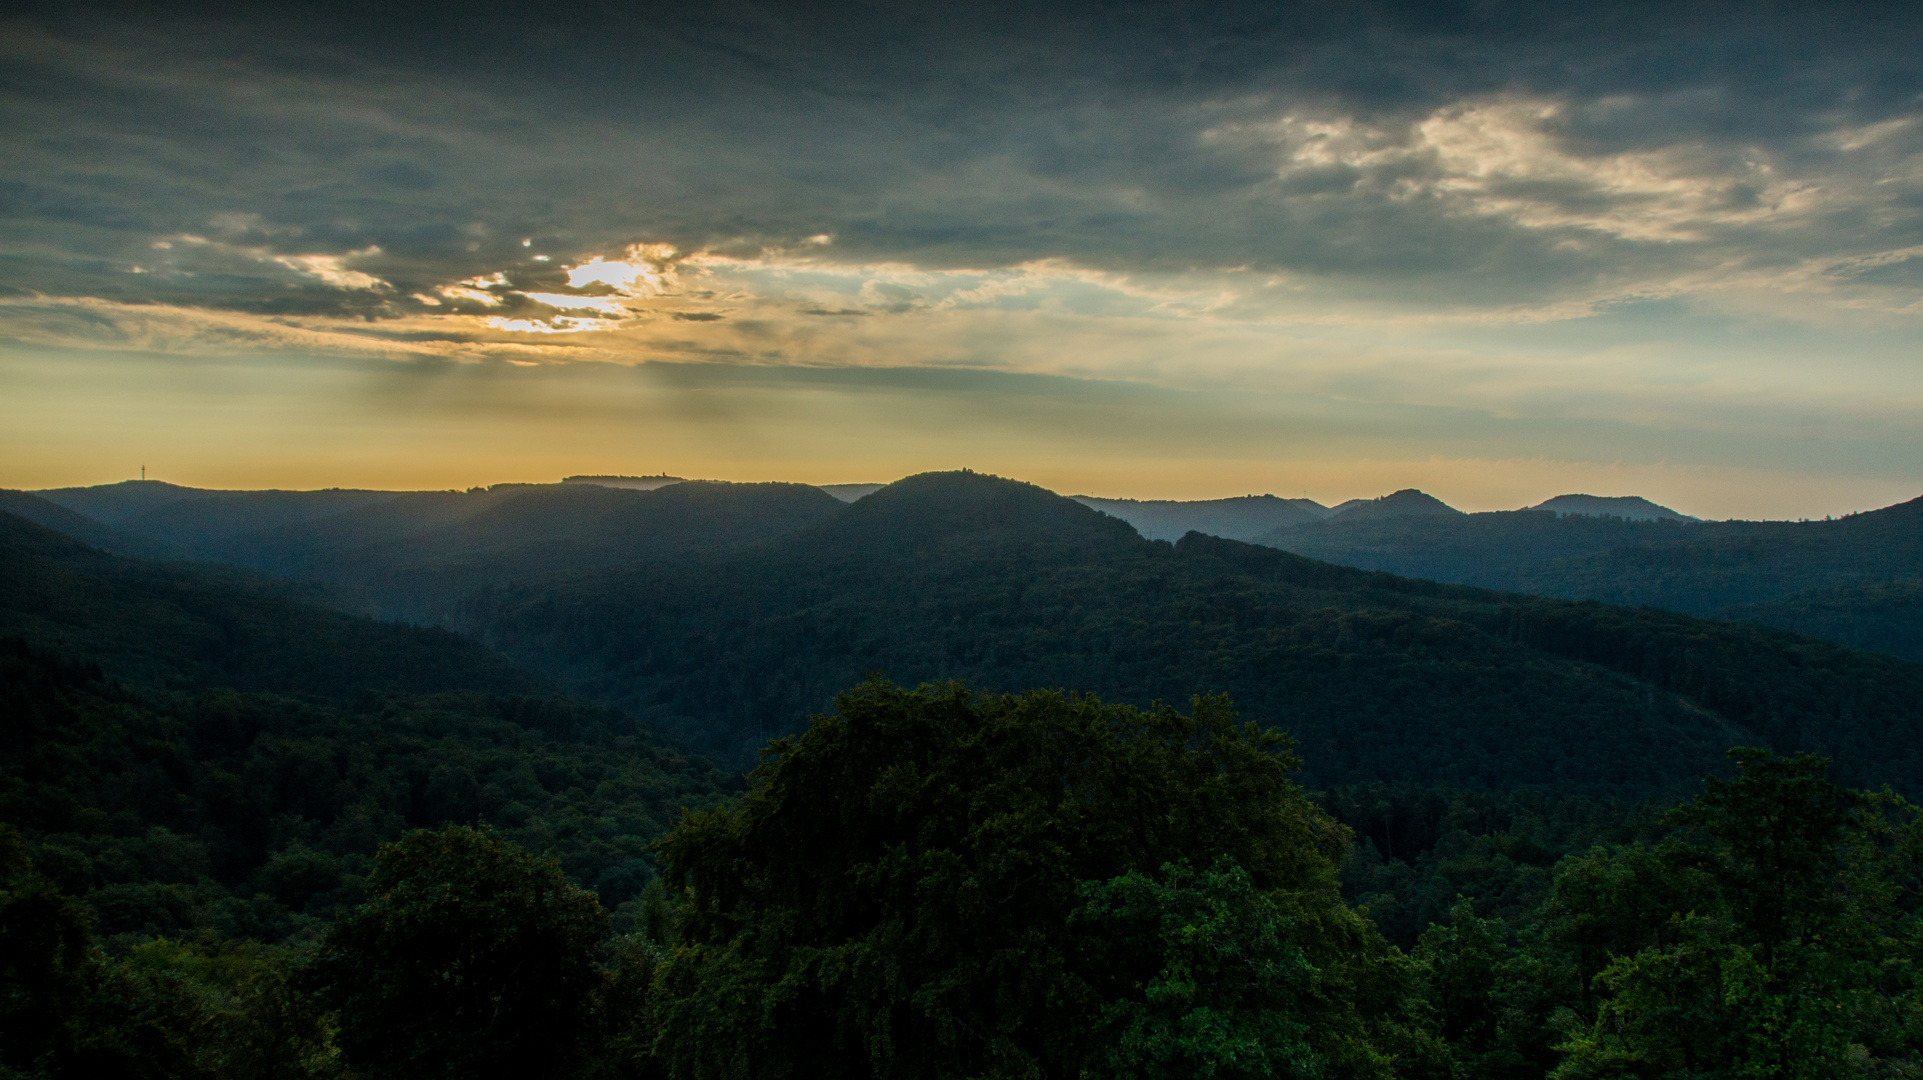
<point x="115" y="504"/>
<point x="87" y="530"/>
<point x="1841" y="580"/>
<point x="1240" y="518"/>
<point x="1627" y="507"/>
<point x="419" y="555"/>
<point x="414" y="555"/>
<point x="1006" y="585"/>
<point x="637" y="483"/>
<point x="1405" y="503"/>
<point x="184" y="627"/>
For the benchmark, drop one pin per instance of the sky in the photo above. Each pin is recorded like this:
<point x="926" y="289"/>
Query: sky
<point x="1496" y="251"/>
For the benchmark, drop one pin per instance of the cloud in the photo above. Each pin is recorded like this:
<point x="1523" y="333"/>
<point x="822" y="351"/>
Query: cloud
<point x="605" y="305"/>
<point x="1523" y="152"/>
<point x="1676" y="214"/>
<point x="332" y="269"/>
<point x="1505" y="158"/>
<point x="93" y="324"/>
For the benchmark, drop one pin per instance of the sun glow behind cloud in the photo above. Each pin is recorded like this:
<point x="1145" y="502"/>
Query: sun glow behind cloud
<point x="1659" y="275"/>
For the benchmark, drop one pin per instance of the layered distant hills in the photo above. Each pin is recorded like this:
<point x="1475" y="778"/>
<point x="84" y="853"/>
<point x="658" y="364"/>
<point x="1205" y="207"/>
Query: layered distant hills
<point x="1243" y="518"/>
<point x="198" y="743"/>
<point x="1854" y="580"/>
<point x="728" y="612"/>
<point x="419" y="555"/>
<point x="176" y="626"/>
<point x="1857" y="581"/>
<point x="191" y="748"/>
<point x="1006" y="585"/>
<point x="415" y="555"/>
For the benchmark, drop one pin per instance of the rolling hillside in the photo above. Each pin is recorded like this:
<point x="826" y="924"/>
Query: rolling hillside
<point x="188" y="627"/>
<point x="186" y="749"/>
<point x="1008" y="586"/>
<point x="1242" y="518"/>
<point x="730" y="612"/>
<point x="1841" y="580"/>
<point x="413" y="555"/>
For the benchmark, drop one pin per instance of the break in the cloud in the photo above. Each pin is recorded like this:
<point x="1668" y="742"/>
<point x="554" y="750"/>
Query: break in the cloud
<point x="1677" y="237"/>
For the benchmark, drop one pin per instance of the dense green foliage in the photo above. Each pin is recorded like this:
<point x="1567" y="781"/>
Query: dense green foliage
<point x="1419" y="850"/>
<point x="470" y="958"/>
<point x="257" y="815"/>
<point x="173" y="847"/>
<point x="930" y="884"/>
<point x="1885" y="617"/>
<point x="165" y="1009"/>
<point x="283" y="842"/>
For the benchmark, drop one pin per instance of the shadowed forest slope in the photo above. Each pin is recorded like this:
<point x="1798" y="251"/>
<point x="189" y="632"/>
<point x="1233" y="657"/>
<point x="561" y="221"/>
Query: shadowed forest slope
<point x="963" y="576"/>
<point x="180" y="626"/>
<point x="188" y="748"/>
<point x="412" y="555"/>
<point x="1850" y="580"/>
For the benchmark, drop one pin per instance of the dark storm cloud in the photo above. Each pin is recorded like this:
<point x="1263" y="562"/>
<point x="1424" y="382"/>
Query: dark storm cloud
<point x="279" y="153"/>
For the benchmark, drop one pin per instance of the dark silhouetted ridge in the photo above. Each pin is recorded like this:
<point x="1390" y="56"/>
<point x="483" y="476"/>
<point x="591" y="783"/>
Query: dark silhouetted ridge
<point x="116" y="504"/>
<point x="1379" y="678"/>
<point x="53" y="516"/>
<point x="182" y="626"/>
<point x="966" y="509"/>
<point x="221" y="524"/>
<point x="575" y="526"/>
<point x="1844" y="580"/>
<point x="1629" y="507"/>
<point x="415" y="555"/>
<point x="1405" y="503"/>
<point x="1242" y="518"/>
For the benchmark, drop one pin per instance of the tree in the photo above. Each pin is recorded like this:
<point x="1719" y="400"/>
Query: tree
<point x="1793" y="962"/>
<point x="64" y="1011"/>
<point x="45" y="953"/>
<point x="927" y="883"/>
<point x="474" y="958"/>
<point x="1236" y="996"/>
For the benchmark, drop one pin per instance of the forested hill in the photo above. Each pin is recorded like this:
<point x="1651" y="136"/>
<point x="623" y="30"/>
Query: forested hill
<point x="1243" y="518"/>
<point x="1853" y="580"/>
<point x="173" y="625"/>
<point x="88" y="531"/>
<point x="1718" y="565"/>
<point x="1492" y="550"/>
<point x="1006" y="585"/>
<point x="413" y="555"/>
<point x="187" y="749"/>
